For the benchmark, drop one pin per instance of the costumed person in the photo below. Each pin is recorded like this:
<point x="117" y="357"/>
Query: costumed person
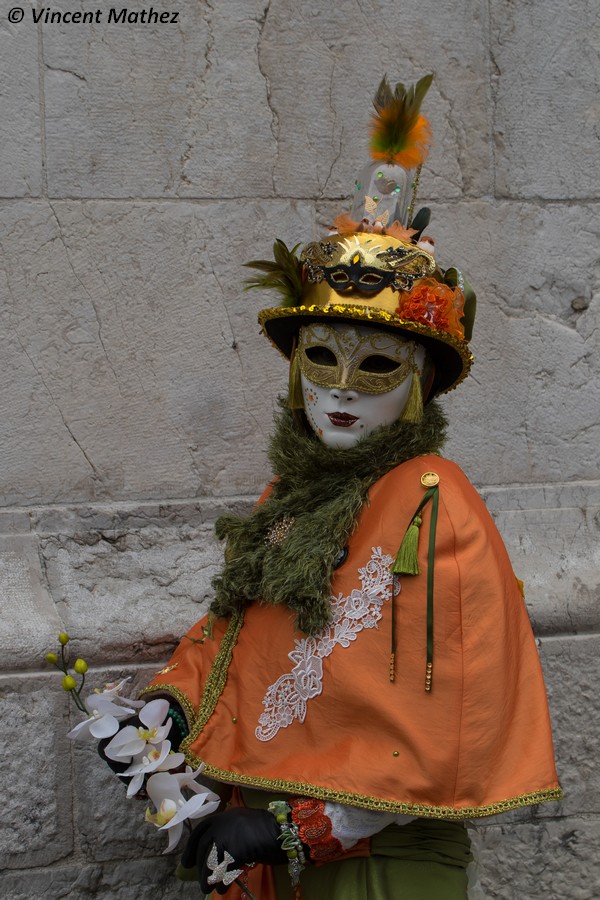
<point x="367" y="679"/>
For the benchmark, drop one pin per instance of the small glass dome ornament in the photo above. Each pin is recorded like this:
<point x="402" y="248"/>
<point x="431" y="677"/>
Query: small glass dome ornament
<point x="382" y="196"/>
<point x="400" y="134"/>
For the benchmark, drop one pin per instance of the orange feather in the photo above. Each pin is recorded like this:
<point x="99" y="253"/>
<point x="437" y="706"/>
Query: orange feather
<point x="345" y="224"/>
<point x="415" y="145"/>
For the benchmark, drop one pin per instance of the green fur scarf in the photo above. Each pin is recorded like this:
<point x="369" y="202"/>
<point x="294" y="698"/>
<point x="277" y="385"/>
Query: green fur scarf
<point x="322" y="489"/>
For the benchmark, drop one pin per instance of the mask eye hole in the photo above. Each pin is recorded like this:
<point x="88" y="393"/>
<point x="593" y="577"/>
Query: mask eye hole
<point x="321" y="356"/>
<point x="370" y="278"/>
<point x="340" y="277"/>
<point x="379" y="365"/>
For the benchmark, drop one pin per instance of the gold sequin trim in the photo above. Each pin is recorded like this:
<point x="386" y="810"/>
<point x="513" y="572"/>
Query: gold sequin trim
<point x="369" y="314"/>
<point x="215" y="682"/>
<point x="167" y="669"/>
<point x="178" y="695"/>
<point x="365" y="802"/>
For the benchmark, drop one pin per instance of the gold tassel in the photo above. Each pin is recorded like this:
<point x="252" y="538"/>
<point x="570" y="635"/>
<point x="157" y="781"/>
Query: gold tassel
<point x="295" y="398"/>
<point x="392" y="667"/>
<point x="413" y="411"/>
<point x="428" y="676"/>
<point x="407" y="560"/>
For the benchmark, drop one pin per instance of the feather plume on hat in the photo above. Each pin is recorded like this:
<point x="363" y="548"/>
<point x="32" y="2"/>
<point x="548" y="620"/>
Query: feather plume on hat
<point x="399" y="133"/>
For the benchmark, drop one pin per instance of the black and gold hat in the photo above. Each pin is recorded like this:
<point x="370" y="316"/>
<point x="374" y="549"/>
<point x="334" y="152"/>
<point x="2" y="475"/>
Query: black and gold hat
<point x="375" y="267"/>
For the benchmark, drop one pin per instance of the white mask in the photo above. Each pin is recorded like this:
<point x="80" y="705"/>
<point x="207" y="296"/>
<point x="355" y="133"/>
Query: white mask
<point x="354" y="379"/>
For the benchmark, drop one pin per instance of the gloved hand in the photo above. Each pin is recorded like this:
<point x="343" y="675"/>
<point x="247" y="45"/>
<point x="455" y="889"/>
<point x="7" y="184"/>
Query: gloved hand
<point x="246" y="835"/>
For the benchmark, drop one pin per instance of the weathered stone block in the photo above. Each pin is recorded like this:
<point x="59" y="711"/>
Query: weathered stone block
<point x="151" y="110"/>
<point x="550" y="860"/>
<point x="20" y="124"/>
<point x="546" y="112"/>
<point x="573" y="684"/>
<point x="30" y="626"/>
<point x="141" y="879"/>
<point x="36" y="827"/>
<point x="555" y="550"/>
<point x="167" y="376"/>
<point x="130" y="595"/>
<point x="78" y="521"/>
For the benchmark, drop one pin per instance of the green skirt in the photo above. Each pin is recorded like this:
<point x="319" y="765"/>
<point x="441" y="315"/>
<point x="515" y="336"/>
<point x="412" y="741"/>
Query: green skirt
<point x="424" y="860"/>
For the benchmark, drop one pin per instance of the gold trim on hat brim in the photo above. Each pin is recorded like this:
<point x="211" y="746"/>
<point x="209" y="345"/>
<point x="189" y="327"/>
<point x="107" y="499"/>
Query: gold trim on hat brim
<point x="451" y="356"/>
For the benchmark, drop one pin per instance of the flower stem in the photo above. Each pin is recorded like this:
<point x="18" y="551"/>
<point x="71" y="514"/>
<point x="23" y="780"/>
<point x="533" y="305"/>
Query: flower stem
<point x="244" y="889"/>
<point x="76" y="695"/>
<point x="79" y="689"/>
<point x="79" y="703"/>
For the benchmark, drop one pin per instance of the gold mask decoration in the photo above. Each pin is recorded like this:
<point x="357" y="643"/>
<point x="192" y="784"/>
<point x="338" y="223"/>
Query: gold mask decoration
<point x="358" y="359"/>
<point x="365" y="266"/>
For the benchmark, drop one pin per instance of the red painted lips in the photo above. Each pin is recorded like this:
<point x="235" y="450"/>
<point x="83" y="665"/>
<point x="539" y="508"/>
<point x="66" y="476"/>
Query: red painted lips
<point x="342" y="420"/>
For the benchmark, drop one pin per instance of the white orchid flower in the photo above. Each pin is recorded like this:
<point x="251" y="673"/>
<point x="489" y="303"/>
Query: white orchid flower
<point x="104" y="718"/>
<point x="159" y="759"/>
<point x="164" y="789"/>
<point x="113" y="689"/>
<point x="132" y="741"/>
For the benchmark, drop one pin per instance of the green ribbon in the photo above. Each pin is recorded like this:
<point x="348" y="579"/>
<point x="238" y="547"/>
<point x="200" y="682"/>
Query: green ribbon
<point x="403" y="566"/>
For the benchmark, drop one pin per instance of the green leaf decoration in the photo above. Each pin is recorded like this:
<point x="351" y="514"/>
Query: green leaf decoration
<point x="282" y="274"/>
<point x="420" y="222"/>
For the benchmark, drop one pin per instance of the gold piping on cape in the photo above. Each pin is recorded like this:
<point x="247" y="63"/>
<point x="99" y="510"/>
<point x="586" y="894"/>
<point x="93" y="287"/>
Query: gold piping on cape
<point x="215" y="683"/>
<point x="363" y="801"/>
<point x="214" y="688"/>
<point x="178" y="695"/>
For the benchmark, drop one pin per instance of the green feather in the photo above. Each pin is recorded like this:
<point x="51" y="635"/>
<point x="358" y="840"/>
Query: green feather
<point x="383" y="95"/>
<point x="410" y="98"/>
<point x="282" y="274"/>
<point x="397" y="112"/>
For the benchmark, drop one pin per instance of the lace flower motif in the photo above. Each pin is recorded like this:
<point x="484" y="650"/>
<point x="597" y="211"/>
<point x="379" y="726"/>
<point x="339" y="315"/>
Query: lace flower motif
<point x="285" y="701"/>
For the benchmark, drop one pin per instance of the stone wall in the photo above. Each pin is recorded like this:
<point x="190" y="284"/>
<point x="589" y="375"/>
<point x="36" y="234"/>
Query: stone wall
<point x="141" y="165"/>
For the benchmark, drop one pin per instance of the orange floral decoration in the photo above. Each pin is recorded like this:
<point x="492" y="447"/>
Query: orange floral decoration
<point x="314" y="828"/>
<point x="435" y="304"/>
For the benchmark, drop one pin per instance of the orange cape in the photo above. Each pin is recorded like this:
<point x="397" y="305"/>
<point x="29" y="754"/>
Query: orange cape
<point x="333" y="726"/>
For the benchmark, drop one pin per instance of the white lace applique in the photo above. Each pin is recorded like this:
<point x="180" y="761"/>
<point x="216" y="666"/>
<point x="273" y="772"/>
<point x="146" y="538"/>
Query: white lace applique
<point x="286" y="699"/>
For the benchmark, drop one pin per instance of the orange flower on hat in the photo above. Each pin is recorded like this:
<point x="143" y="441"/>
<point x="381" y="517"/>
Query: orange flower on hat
<point x="434" y="304"/>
